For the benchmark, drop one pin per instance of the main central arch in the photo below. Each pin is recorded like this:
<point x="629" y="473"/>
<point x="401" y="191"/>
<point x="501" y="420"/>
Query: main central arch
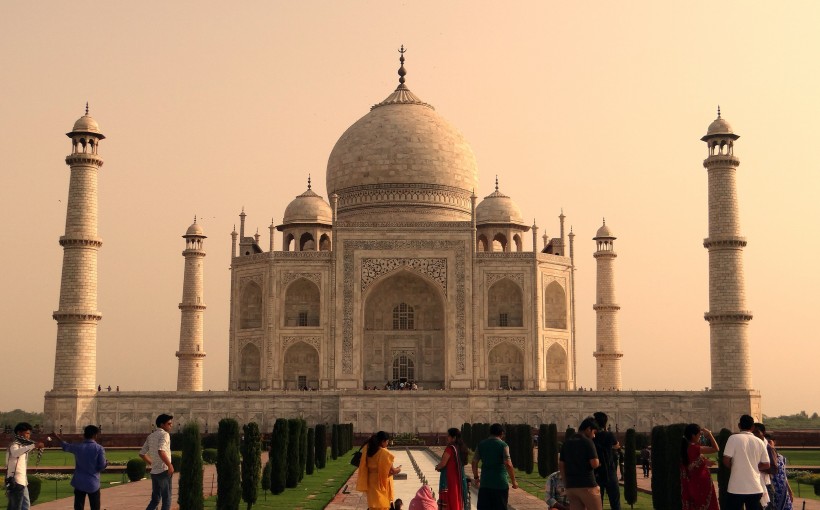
<point x="404" y="330"/>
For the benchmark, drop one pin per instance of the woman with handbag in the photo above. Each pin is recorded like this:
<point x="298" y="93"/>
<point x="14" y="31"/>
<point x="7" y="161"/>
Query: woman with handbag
<point x="452" y="488"/>
<point x="376" y="472"/>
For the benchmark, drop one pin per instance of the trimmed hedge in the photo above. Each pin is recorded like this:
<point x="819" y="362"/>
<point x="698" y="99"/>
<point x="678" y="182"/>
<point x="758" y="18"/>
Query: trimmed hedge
<point x="310" y="458"/>
<point x="209" y="455"/>
<point x="190" y="470"/>
<point x="135" y="469"/>
<point x="278" y="450"/>
<point x="251" y="450"/>
<point x="630" y="473"/>
<point x="292" y="455"/>
<point x="228" y="491"/>
<point x="321" y="446"/>
<point x="34" y="486"/>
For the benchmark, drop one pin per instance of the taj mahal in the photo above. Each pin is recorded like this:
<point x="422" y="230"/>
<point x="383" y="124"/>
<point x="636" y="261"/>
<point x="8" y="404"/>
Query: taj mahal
<point x="402" y="275"/>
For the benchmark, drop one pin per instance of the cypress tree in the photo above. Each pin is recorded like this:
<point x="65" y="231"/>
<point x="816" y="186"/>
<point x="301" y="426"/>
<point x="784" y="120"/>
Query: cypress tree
<point x="660" y="489"/>
<point x="510" y="439"/>
<point x="526" y="448"/>
<point x="228" y="489"/>
<point x="292" y="455"/>
<point x="467" y="435"/>
<point x="278" y="449"/>
<point x="674" y="436"/>
<point x="310" y="459"/>
<point x="543" y="451"/>
<point x="723" y="471"/>
<point x="334" y="441"/>
<point x="265" y="482"/>
<point x="552" y="460"/>
<point x="568" y="433"/>
<point x="302" y="448"/>
<point x="190" y="473"/>
<point x="321" y="446"/>
<point x="251" y="450"/>
<point x="630" y="473"/>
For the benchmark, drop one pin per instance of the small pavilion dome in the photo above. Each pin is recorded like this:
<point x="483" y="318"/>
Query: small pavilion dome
<point x="195" y="230"/>
<point x="308" y="208"/>
<point x="498" y="208"/>
<point x="604" y="233"/>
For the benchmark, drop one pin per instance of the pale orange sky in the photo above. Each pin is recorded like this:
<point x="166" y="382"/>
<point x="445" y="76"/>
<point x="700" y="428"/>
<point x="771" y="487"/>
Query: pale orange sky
<point x="599" y="109"/>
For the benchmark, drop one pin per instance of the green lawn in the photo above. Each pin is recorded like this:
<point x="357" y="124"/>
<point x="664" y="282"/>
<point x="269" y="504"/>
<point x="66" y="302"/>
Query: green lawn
<point x="801" y="457"/>
<point x="60" y="458"/>
<point x="534" y="484"/>
<point x="313" y="493"/>
<point x="52" y="490"/>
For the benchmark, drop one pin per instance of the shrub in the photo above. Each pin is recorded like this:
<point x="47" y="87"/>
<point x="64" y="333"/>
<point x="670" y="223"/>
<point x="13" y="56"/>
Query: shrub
<point x="629" y="473"/>
<point x="334" y="441"/>
<point x="568" y="433"/>
<point x="176" y="443"/>
<point x="34" y="487"/>
<point x="817" y="487"/>
<point x="526" y="448"/>
<point x="176" y="460"/>
<point x="210" y="441"/>
<point x="278" y="449"/>
<point x="227" y="465"/>
<point x="659" y="481"/>
<point x="321" y="446"/>
<point x="292" y="455"/>
<point x="723" y="471"/>
<point x="251" y="450"/>
<point x="302" y="448"/>
<point x="674" y="433"/>
<point x="265" y="483"/>
<point x="135" y="469"/>
<point x="543" y="451"/>
<point x="190" y="470"/>
<point x="310" y="455"/>
<point x="209" y="455"/>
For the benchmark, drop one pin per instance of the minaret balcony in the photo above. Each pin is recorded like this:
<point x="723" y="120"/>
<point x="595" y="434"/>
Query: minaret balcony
<point x="729" y="316"/>
<point x="726" y="242"/>
<point x="66" y="241"/>
<point x="721" y="161"/>
<point x="83" y="158"/>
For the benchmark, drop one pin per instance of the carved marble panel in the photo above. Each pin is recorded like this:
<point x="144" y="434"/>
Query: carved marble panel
<point x="433" y="268"/>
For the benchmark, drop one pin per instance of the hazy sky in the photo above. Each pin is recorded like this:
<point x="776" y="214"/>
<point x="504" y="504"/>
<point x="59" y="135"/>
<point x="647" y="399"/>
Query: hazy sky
<point x="597" y="108"/>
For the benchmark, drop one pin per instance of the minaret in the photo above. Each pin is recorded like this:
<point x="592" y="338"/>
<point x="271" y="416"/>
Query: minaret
<point x="608" y="345"/>
<point x="191" y="351"/>
<point x="727" y="316"/>
<point x="75" y="365"/>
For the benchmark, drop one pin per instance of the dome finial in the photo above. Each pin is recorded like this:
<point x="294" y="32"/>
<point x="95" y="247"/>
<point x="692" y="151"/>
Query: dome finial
<point x="195" y="218"/>
<point x="402" y="72"/>
<point x="604" y="221"/>
<point x="86" y="107"/>
<point x="718" y="111"/>
<point x="496" y="182"/>
<point x="308" y="181"/>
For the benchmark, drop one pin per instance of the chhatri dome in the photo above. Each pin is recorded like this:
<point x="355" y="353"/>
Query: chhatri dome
<point x="195" y="230"/>
<point x="308" y="208"/>
<point x="87" y="124"/>
<point x="719" y="126"/>
<point x="405" y="156"/>
<point x="604" y="232"/>
<point x="498" y="208"/>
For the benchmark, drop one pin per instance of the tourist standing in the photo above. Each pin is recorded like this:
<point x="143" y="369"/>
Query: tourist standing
<point x="497" y="473"/>
<point x="696" y="488"/>
<point x="607" y="445"/>
<point x="89" y="461"/>
<point x="577" y="463"/>
<point x="156" y="452"/>
<point x="17" y="465"/>
<point x="783" y="496"/>
<point x="646" y="458"/>
<point x="452" y="487"/>
<point x="376" y="472"/>
<point x="745" y="455"/>
<point x="767" y="475"/>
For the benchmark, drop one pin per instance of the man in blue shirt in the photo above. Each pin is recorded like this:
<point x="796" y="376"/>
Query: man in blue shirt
<point x="89" y="460"/>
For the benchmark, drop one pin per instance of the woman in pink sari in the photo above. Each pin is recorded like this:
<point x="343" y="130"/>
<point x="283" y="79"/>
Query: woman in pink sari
<point x="452" y="487"/>
<point x="696" y="488"/>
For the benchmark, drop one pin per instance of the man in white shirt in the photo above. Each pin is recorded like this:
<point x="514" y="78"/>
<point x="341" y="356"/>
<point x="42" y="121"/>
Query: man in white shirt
<point x="156" y="452"/>
<point x="745" y="455"/>
<point x="16" y="466"/>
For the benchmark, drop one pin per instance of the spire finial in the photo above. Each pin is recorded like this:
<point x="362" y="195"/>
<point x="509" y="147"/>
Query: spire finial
<point x="86" y="107"/>
<point x="604" y="221"/>
<point x="402" y="72"/>
<point x="194" y="218"/>
<point x="308" y="181"/>
<point x="496" y="182"/>
<point x="718" y="111"/>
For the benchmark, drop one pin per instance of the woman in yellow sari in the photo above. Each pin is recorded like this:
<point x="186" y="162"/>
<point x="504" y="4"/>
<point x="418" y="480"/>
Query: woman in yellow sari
<point x="376" y="472"/>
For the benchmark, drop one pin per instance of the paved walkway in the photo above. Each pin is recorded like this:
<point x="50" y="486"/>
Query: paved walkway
<point x="135" y="495"/>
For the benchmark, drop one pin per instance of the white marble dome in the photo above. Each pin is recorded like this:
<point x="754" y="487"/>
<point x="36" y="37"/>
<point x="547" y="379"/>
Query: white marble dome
<point x="86" y="124"/>
<point x="404" y="156"/>
<point x="604" y="233"/>
<point x="308" y="208"/>
<point x="498" y="208"/>
<point x="195" y="230"/>
<point x="719" y="126"/>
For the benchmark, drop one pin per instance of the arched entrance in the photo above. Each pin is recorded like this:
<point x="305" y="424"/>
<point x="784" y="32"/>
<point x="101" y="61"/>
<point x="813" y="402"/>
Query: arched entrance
<point x="404" y="332"/>
<point x="556" y="368"/>
<point x="505" y="367"/>
<point x="301" y="367"/>
<point x="249" y="368"/>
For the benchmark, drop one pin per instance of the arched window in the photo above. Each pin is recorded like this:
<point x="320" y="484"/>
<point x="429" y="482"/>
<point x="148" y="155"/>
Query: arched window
<point x="517" y="242"/>
<point x="302" y="304"/>
<point x="482" y="243"/>
<point x="556" y="367"/>
<point x="555" y="306"/>
<point x="324" y="243"/>
<point x="404" y="317"/>
<point x="403" y="368"/>
<point x="250" y="307"/>
<point x="505" y="305"/>
<point x="500" y="242"/>
<point x="306" y="242"/>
